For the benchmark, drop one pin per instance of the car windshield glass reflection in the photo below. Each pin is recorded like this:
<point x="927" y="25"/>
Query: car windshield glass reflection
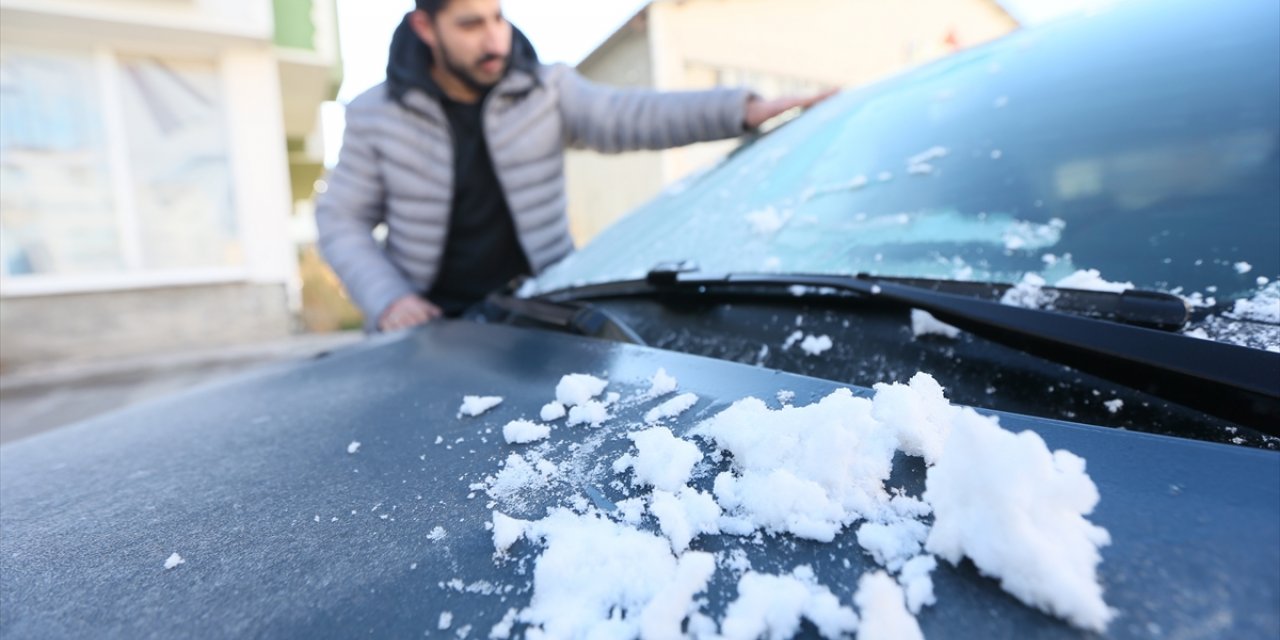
<point x="987" y="167"/>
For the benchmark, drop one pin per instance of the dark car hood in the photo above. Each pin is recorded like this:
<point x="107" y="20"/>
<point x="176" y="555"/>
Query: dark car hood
<point x="285" y="533"/>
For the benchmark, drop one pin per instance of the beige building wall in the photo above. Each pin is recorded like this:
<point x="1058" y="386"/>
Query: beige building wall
<point x="775" y="47"/>
<point x="613" y="182"/>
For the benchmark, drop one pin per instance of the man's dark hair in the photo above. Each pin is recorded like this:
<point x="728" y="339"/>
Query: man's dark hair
<point x="432" y="7"/>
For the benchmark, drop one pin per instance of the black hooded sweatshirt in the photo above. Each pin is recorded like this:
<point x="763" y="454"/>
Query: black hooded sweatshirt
<point x="482" y="252"/>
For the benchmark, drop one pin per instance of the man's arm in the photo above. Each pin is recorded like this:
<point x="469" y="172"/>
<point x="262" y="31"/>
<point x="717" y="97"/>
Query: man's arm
<point x="346" y="214"/>
<point x="611" y="119"/>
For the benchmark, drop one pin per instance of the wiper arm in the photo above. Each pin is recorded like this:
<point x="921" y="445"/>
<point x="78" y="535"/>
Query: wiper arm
<point x="1235" y="383"/>
<point x="573" y="317"/>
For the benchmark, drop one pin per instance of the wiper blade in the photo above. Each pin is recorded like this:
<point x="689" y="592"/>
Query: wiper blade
<point x="1136" y="307"/>
<point x="1235" y="383"/>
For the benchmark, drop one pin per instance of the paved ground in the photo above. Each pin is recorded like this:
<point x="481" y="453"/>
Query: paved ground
<point x="35" y="400"/>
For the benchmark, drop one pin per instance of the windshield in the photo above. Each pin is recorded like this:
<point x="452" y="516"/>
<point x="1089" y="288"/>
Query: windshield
<point x="1093" y="145"/>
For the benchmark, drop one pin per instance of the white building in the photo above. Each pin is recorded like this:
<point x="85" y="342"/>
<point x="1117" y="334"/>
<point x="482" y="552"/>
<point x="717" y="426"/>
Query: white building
<point x="149" y="157"/>
<point x="776" y="47"/>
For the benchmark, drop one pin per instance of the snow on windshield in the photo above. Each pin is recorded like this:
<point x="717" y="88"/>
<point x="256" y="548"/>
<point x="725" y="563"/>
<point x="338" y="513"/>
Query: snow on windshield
<point x="1248" y="322"/>
<point x="1263" y="307"/>
<point x="1030" y="293"/>
<point x="635" y="569"/>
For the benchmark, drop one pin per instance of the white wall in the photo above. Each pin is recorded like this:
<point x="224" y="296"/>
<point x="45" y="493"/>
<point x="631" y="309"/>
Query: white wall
<point x="259" y="164"/>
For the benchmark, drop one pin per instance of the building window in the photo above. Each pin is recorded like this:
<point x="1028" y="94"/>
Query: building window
<point x="181" y="183"/>
<point x="56" y="209"/>
<point x="112" y="166"/>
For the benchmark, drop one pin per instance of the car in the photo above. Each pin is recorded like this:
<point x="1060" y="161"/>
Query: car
<point x="987" y="349"/>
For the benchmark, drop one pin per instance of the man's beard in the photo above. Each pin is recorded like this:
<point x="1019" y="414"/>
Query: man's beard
<point x="466" y="76"/>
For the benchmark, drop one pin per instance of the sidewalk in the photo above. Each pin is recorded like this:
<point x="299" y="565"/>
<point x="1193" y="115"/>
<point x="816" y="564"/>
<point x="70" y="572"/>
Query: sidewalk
<point x="33" y="400"/>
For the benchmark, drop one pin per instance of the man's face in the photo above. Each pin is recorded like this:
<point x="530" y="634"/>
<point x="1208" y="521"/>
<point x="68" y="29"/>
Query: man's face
<point x="471" y="40"/>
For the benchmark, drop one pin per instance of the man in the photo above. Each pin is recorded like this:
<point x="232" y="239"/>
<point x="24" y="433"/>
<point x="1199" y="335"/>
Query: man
<point x="460" y="153"/>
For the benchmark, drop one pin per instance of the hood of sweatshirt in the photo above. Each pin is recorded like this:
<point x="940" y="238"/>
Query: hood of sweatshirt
<point x="410" y="61"/>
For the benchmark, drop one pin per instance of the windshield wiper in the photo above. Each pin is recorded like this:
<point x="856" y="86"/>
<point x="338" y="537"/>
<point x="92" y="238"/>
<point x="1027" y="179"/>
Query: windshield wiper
<point x="1116" y="336"/>
<point x="574" y="317"/>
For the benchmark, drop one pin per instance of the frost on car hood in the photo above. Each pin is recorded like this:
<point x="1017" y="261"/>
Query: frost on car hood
<point x="636" y="569"/>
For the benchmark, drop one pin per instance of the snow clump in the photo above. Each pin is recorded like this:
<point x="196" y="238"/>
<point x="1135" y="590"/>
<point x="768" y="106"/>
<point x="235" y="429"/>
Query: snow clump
<point x="590" y="412"/>
<point x="923" y="323"/>
<point x="476" y="405"/>
<point x="792" y="339"/>
<point x="174" y="560"/>
<point x="918" y="413"/>
<point x="571" y="600"/>
<point x="552" y="411"/>
<point x="916" y="582"/>
<point x="808" y="471"/>
<point x="662" y="460"/>
<point x="1029" y="293"/>
<point x="892" y="544"/>
<point x="577" y="391"/>
<point x="884" y="612"/>
<point x="1029" y="528"/>
<point x="660" y="385"/>
<point x="578" y="388"/>
<point x="770" y="606"/>
<point x="523" y="432"/>
<point x="1091" y="280"/>
<point x="506" y="530"/>
<point x="815" y="345"/>
<point x="671" y="408"/>
<point x="685" y="515"/>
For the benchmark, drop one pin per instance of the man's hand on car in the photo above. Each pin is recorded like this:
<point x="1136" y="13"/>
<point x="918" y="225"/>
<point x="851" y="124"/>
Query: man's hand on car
<point x="760" y="110"/>
<point x="408" y="311"/>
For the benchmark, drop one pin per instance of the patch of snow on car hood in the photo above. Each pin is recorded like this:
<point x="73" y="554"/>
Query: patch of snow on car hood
<point x="770" y="606"/>
<point x="1028" y="528"/>
<point x="884" y="611"/>
<point x="1003" y="500"/>
<point x="476" y="405"/>
<point x="593" y="568"/>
